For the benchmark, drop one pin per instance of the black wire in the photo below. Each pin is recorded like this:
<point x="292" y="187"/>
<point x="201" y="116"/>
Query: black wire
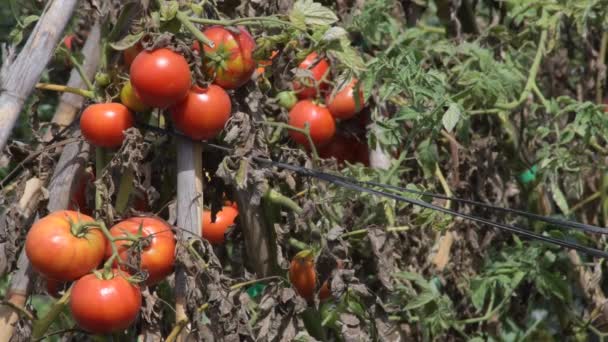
<point x="352" y="185"/>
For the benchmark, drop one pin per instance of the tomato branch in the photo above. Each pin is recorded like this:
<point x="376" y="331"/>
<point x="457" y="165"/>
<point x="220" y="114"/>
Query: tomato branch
<point x="278" y="198"/>
<point x="65" y="89"/>
<point x="248" y="21"/>
<point x="305" y="131"/>
<point x="41" y="326"/>
<point x="188" y="24"/>
<point x="124" y="190"/>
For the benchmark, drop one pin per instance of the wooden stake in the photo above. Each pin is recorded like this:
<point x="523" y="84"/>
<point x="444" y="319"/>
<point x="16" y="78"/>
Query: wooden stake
<point x="189" y="212"/>
<point x="19" y="76"/>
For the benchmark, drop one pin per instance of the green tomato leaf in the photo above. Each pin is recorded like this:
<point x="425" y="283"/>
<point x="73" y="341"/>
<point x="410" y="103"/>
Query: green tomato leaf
<point x="334" y="33"/>
<point x="30" y="19"/>
<point x="127" y="41"/>
<point x="558" y="197"/>
<point x="451" y="117"/>
<point x="168" y="10"/>
<point x="313" y="13"/>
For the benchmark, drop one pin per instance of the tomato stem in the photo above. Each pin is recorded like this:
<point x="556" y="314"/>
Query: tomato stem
<point x="124" y="190"/>
<point x="65" y="89"/>
<point x="247" y="21"/>
<point x="187" y="22"/>
<point x="42" y="325"/>
<point x="280" y="199"/>
<point x="177" y="329"/>
<point x="81" y="72"/>
<point x="99" y="165"/>
<point x="298" y="244"/>
<point x="254" y="281"/>
<point x="305" y="131"/>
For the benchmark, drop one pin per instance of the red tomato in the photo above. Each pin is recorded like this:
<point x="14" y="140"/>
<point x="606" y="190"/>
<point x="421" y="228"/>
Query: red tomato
<point x="302" y="274"/>
<point x="158" y="255"/>
<point x="308" y="89"/>
<point x="161" y="78"/>
<point x="322" y="124"/>
<point x="340" y="147"/>
<point x="68" y="41"/>
<point x="129" y="98"/>
<point x="231" y="59"/>
<point x="214" y="231"/>
<point x="102" y="306"/>
<point x="130" y="53"/>
<point x="56" y="253"/>
<point x="103" y="124"/>
<point x="204" y="112"/>
<point x="343" y="106"/>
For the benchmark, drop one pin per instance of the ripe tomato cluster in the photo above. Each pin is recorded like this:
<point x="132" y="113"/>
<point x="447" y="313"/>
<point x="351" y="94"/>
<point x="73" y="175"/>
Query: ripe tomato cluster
<point x="161" y="78"/>
<point x="68" y="246"/>
<point x="321" y="116"/>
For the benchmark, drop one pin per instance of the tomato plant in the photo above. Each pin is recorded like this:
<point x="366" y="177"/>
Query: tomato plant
<point x="129" y="98"/>
<point x="302" y="274"/>
<point x="204" y="112"/>
<point x="321" y="123"/>
<point x="58" y="251"/>
<point x="230" y="61"/>
<point x="103" y="306"/>
<point x="308" y="87"/>
<point x="157" y="243"/>
<point x="161" y="78"/>
<point x="343" y="104"/>
<point x="103" y="124"/>
<point x="214" y="231"/>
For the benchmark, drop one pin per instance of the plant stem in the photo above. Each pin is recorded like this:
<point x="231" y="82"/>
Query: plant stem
<point x="251" y="282"/>
<point x="444" y="185"/>
<point x="533" y="71"/>
<point x="364" y="231"/>
<point x="82" y="73"/>
<point x="298" y="244"/>
<point x="305" y="131"/>
<point x="278" y="198"/>
<point x="582" y="203"/>
<point x="188" y="24"/>
<point x="42" y="325"/>
<point x="253" y="21"/>
<point x="601" y="73"/>
<point x="99" y="165"/>
<point x="177" y="329"/>
<point x="65" y="89"/>
<point x="124" y="190"/>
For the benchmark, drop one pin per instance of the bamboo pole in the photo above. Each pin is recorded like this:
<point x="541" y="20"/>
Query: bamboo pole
<point x="68" y="170"/>
<point x="189" y="213"/>
<point x="19" y="76"/>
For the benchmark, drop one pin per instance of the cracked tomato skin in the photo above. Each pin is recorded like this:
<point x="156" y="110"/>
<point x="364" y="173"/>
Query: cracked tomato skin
<point x="322" y="124"/>
<point x="235" y="50"/>
<point x="160" y="78"/>
<point x="102" y="306"/>
<point x="158" y="255"/>
<point x="203" y="113"/>
<point x="103" y="124"/>
<point x="56" y="253"/>
<point x="214" y="231"/>
<point x="308" y="90"/>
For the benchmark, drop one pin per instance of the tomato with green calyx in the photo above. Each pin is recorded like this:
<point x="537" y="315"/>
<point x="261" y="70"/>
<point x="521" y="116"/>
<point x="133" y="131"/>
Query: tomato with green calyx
<point x="307" y="88"/>
<point x="343" y="105"/>
<point x="230" y="61"/>
<point x="129" y="98"/>
<point x="161" y="78"/>
<point x="302" y="274"/>
<point x="58" y="251"/>
<point x="103" y="124"/>
<point x="203" y="113"/>
<point x="103" y="306"/>
<point x="322" y="124"/>
<point x="214" y="231"/>
<point x="130" y="53"/>
<point x="157" y="243"/>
